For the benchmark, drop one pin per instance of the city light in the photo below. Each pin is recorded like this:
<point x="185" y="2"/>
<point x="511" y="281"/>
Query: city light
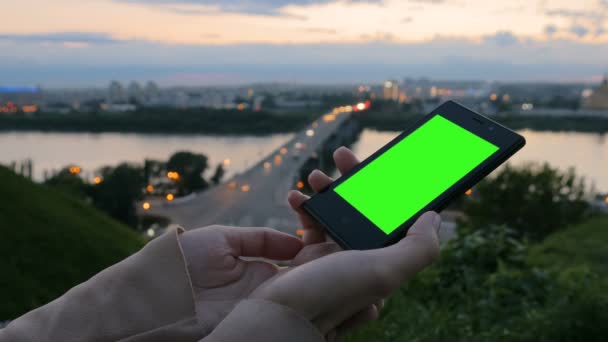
<point x="361" y="106"/>
<point x="300" y="185"/>
<point x="227" y="162"/>
<point x="606" y="199"/>
<point x="29" y="108"/>
<point x="149" y="188"/>
<point x="174" y="175"/>
<point x="493" y="97"/>
<point x="267" y="166"/>
<point x="468" y="192"/>
<point x="232" y="185"/>
<point x="527" y="106"/>
<point x="97" y="180"/>
<point x="146" y="206"/>
<point x="245" y="188"/>
<point x="310" y="133"/>
<point x="278" y="160"/>
<point x="170" y="197"/>
<point x="283" y="150"/>
<point x="329" y="117"/>
<point x="300" y="232"/>
<point x="75" y="170"/>
<point x="150" y="232"/>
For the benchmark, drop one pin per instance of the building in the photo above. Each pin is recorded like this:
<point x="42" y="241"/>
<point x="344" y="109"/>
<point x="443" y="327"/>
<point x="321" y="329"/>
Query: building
<point x="598" y="98"/>
<point x="391" y="90"/>
<point x="116" y="93"/>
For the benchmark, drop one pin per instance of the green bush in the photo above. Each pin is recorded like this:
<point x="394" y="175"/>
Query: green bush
<point x="486" y="287"/>
<point x="535" y="200"/>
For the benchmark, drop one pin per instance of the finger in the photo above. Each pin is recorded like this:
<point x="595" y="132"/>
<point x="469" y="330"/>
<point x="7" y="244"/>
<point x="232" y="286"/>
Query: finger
<point x="313" y="232"/>
<point x="345" y="159"/>
<point x="368" y="315"/>
<point x="416" y="251"/>
<point x="349" y="312"/>
<point x="262" y="242"/>
<point x="315" y="251"/>
<point x="319" y="180"/>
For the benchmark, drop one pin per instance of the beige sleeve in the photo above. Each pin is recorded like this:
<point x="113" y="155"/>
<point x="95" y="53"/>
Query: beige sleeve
<point x="260" y="320"/>
<point x="144" y="297"/>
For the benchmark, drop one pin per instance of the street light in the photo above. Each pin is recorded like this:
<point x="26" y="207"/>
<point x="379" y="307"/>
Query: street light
<point x="146" y="206"/>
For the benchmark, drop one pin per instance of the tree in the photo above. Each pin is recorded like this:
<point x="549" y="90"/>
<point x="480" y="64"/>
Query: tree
<point x="190" y="167"/>
<point x="535" y="200"/>
<point x="120" y="189"/>
<point x="68" y="182"/>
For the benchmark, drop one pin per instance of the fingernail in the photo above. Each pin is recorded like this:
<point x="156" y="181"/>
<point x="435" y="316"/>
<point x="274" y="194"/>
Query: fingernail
<point x="437" y="222"/>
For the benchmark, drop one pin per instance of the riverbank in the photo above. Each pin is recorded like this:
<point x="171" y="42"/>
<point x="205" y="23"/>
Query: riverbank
<point x="391" y="121"/>
<point x="235" y="122"/>
<point x="159" y="120"/>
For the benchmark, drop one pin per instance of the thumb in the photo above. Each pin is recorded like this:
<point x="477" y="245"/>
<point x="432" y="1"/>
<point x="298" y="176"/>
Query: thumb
<point x="417" y="250"/>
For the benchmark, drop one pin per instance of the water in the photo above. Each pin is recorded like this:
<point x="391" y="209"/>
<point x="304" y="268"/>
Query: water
<point x="587" y="152"/>
<point x="52" y="151"/>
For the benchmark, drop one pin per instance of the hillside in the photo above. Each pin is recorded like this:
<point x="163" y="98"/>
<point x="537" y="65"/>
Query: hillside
<point x="50" y="242"/>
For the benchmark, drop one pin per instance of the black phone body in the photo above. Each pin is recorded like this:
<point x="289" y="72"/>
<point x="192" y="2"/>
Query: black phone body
<point x="352" y="229"/>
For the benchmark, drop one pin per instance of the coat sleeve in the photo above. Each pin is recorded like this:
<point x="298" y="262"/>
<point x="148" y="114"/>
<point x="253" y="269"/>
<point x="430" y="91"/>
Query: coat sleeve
<point x="260" y="320"/>
<point x="146" y="295"/>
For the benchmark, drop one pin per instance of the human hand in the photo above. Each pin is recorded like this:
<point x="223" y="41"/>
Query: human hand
<point x="317" y="243"/>
<point x="331" y="290"/>
<point x="220" y="277"/>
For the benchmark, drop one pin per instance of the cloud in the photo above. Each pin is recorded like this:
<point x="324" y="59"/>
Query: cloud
<point x="550" y="30"/>
<point x="575" y="14"/>
<point x="68" y="39"/>
<point x="579" y="30"/>
<point x="257" y="7"/>
<point x="502" y="38"/>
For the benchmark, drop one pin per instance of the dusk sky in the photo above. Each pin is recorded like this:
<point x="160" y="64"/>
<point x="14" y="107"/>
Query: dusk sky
<point x="73" y="43"/>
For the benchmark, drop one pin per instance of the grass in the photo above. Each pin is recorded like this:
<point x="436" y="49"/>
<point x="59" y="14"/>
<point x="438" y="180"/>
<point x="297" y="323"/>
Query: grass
<point x="50" y="242"/>
<point x="580" y="245"/>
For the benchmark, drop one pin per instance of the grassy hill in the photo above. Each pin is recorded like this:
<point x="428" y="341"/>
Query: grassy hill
<point x="50" y="242"/>
<point x="582" y="245"/>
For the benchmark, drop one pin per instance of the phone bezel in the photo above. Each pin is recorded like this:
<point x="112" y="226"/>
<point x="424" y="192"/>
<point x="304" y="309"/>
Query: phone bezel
<point x="349" y="228"/>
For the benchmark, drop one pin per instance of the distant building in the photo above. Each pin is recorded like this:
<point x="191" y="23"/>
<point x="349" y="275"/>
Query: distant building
<point x="391" y="90"/>
<point x="116" y="93"/>
<point x="135" y="92"/>
<point x="598" y="98"/>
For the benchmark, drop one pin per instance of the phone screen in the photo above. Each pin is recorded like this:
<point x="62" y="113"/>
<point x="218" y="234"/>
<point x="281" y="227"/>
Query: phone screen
<point x="404" y="179"/>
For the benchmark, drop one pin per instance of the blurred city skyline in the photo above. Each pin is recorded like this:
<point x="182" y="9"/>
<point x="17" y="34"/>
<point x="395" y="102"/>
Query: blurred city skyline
<point x="67" y="43"/>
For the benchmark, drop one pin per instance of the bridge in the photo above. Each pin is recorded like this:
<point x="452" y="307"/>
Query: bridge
<point x="258" y="196"/>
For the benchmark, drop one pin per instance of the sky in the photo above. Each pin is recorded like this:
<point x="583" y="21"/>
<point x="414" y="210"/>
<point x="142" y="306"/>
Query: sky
<point x="76" y="43"/>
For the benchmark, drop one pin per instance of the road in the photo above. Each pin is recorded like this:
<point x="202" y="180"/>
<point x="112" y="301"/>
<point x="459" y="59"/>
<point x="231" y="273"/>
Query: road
<point x="258" y="196"/>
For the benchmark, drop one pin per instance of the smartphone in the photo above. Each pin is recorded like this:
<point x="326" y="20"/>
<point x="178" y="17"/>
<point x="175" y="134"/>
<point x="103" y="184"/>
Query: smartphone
<point x="424" y="168"/>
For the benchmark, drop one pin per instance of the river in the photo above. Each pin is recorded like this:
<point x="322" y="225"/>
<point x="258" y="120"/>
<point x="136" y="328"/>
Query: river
<point x="587" y="152"/>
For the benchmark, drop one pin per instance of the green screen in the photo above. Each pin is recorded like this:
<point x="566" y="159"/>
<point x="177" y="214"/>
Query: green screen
<point x="410" y="175"/>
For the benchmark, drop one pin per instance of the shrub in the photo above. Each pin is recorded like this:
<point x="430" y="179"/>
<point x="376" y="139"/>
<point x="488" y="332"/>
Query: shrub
<point x="535" y="200"/>
<point x="484" y="288"/>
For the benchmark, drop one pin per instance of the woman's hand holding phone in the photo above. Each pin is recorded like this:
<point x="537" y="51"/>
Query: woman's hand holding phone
<point x="345" y="289"/>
